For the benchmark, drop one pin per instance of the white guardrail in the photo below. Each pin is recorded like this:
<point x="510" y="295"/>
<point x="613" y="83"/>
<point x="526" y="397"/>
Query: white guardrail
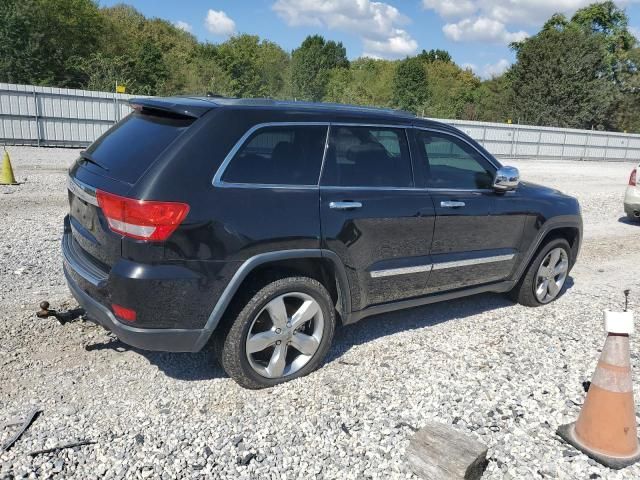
<point x="45" y="116"/>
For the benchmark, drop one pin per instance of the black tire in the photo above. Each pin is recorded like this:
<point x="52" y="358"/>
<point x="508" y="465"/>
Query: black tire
<point x="524" y="292"/>
<point x="230" y="342"/>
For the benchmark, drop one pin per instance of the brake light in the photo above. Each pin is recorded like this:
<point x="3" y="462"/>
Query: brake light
<point x="632" y="178"/>
<point x="124" y="313"/>
<point x="141" y="219"/>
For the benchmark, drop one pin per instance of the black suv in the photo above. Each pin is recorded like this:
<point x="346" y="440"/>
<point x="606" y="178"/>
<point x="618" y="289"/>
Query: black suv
<point x="261" y="224"/>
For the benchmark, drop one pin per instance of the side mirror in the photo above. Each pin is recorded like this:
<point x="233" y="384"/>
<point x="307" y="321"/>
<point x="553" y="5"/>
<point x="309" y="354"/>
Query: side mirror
<point x="506" y="179"/>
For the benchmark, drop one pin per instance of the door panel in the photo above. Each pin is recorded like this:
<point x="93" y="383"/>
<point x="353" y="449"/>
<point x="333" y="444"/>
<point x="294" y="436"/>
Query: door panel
<point x="372" y="216"/>
<point x="384" y="244"/>
<point x="476" y="237"/>
<point x="466" y="250"/>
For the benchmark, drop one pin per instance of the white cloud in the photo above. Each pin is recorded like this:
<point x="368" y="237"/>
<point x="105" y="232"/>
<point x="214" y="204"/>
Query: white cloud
<point x="635" y="32"/>
<point x="500" y="20"/>
<point x="495" y="69"/>
<point x="451" y="8"/>
<point x="183" y="26"/>
<point x="378" y="24"/>
<point x="218" y="23"/>
<point x="481" y="29"/>
<point x="488" y="70"/>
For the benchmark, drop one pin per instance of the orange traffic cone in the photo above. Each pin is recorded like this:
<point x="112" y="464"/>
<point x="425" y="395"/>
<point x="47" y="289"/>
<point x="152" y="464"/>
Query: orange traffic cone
<point x="606" y="429"/>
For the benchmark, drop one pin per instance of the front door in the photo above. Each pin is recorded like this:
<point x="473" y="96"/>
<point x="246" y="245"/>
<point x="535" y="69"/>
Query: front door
<point x="474" y="242"/>
<point x="372" y="215"/>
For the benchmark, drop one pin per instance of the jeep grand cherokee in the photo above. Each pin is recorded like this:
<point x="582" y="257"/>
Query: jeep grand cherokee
<point x="260" y="225"/>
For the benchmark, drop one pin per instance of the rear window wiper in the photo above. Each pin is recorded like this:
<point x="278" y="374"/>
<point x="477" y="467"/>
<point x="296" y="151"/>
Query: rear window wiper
<point x="89" y="159"/>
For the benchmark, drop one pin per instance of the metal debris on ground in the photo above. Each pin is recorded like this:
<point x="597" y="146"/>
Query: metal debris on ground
<point x="405" y="424"/>
<point x="81" y="443"/>
<point x="28" y="420"/>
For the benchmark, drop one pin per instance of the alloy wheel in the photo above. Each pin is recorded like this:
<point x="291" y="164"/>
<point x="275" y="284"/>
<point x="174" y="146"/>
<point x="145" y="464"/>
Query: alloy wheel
<point x="551" y="275"/>
<point x="285" y="335"/>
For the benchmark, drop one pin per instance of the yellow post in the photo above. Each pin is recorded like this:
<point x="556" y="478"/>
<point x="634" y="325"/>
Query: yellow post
<point x="6" y="175"/>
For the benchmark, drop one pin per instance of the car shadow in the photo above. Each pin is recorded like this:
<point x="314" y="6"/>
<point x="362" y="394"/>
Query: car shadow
<point x="203" y="365"/>
<point x="378" y="326"/>
<point x="386" y="324"/>
<point x="629" y="221"/>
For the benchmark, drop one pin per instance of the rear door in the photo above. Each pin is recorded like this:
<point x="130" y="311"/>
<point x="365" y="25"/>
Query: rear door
<point x="114" y="163"/>
<point x="474" y="242"/>
<point x="372" y="215"/>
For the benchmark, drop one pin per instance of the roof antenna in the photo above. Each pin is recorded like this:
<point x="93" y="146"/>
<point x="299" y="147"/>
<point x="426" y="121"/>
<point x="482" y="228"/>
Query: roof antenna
<point x="626" y="299"/>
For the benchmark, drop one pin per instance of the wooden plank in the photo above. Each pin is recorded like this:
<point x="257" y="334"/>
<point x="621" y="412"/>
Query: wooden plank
<point x="441" y="452"/>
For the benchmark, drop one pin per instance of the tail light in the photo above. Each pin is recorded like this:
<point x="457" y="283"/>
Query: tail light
<point x="124" y="313"/>
<point x="141" y="219"/>
<point x="632" y="178"/>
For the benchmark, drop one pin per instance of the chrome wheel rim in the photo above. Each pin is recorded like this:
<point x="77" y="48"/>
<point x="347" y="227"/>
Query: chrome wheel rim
<point x="285" y="335"/>
<point x="551" y="275"/>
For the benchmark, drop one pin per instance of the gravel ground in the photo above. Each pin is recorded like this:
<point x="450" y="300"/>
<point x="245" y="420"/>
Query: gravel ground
<point x="507" y="374"/>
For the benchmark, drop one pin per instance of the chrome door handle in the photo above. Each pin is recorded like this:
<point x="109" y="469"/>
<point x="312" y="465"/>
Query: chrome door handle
<point x="451" y="204"/>
<point x="344" y="205"/>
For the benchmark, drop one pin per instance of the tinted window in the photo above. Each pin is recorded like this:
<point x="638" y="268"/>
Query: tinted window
<point x="287" y="155"/>
<point x="134" y="144"/>
<point x="367" y="157"/>
<point x="451" y="163"/>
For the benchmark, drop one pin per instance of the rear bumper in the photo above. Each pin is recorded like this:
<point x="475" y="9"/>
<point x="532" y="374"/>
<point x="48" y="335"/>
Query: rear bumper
<point x="172" y="302"/>
<point x="162" y="339"/>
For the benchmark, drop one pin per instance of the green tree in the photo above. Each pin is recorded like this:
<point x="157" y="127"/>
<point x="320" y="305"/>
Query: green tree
<point x="451" y="90"/>
<point x="40" y="40"/>
<point x="274" y="65"/>
<point x="560" y="80"/>
<point x="365" y="82"/>
<point x="102" y="72"/>
<point x="628" y="107"/>
<point x="494" y="101"/>
<point x="435" y="55"/>
<point x="410" y="88"/>
<point x="608" y="21"/>
<point x="311" y="64"/>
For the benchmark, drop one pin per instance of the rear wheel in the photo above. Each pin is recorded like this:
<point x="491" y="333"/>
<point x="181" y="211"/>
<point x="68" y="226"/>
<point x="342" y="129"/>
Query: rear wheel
<point x="282" y="332"/>
<point x="544" y="280"/>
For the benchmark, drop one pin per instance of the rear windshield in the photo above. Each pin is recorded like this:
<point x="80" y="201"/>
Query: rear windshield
<point x="129" y="149"/>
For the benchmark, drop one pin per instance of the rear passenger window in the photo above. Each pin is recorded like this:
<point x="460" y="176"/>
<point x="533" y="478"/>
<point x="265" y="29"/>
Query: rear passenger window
<point x="451" y="163"/>
<point x="286" y="155"/>
<point x="367" y="157"/>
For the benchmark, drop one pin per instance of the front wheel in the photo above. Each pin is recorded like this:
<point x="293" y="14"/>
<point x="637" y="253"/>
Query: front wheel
<point x="282" y="332"/>
<point x="544" y="280"/>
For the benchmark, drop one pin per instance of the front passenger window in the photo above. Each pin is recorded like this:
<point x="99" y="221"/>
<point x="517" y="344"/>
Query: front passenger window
<point x="450" y="163"/>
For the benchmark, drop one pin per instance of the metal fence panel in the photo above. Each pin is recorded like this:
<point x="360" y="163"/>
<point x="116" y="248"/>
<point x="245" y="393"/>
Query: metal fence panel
<point x="522" y="141"/>
<point x="46" y="116"/>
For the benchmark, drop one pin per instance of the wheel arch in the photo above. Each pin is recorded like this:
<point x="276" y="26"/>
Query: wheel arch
<point x="322" y="265"/>
<point x="568" y="227"/>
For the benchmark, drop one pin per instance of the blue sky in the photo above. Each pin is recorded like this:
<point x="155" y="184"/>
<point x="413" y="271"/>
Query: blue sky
<point x="475" y="32"/>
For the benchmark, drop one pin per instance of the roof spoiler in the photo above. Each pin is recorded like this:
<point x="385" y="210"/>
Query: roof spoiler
<point x="183" y="107"/>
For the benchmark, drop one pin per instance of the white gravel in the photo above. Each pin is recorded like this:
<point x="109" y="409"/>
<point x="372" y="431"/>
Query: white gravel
<point x="507" y="374"/>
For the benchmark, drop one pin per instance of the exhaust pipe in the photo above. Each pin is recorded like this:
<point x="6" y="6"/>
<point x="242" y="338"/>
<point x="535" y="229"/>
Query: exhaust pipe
<point x="636" y="213"/>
